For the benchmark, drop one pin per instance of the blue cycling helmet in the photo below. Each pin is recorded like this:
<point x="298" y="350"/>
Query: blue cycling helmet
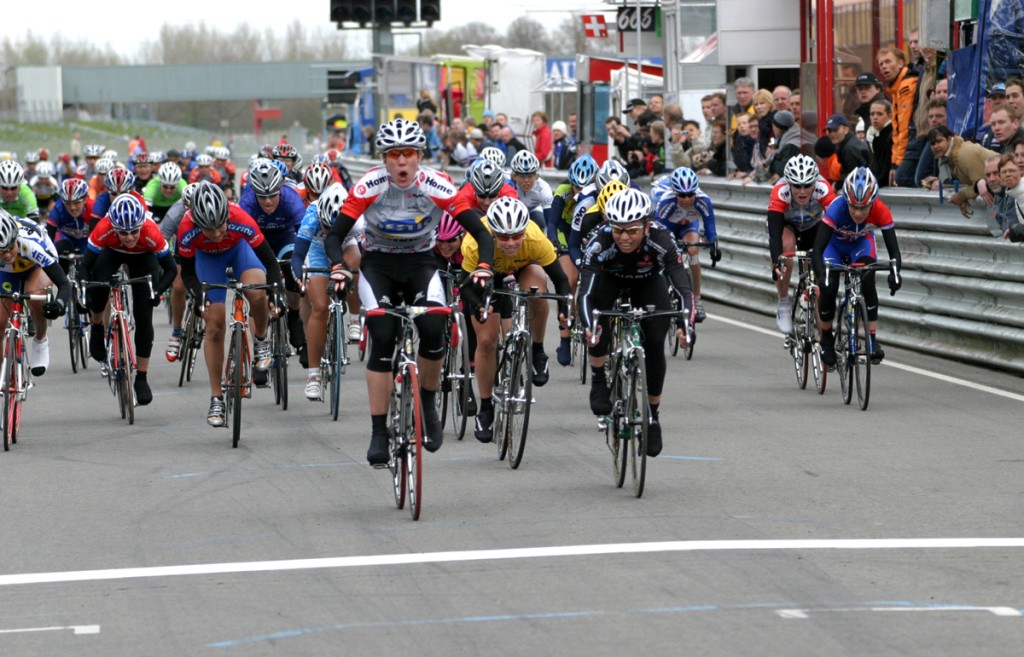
<point x="582" y="171"/>
<point x="860" y="187"/>
<point x="126" y="213"/>
<point x="685" y="181"/>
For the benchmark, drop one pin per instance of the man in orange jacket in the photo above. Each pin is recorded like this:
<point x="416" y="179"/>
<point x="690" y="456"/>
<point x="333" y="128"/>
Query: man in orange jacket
<point x="902" y="88"/>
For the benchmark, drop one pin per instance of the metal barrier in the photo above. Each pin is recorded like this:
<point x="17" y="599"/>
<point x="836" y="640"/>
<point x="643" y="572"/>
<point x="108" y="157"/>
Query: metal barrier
<point x="962" y="294"/>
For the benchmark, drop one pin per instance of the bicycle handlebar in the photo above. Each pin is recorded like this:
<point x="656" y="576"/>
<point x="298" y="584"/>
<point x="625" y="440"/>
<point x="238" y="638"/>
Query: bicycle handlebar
<point x="20" y="296"/>
<point x="409" y="312"/>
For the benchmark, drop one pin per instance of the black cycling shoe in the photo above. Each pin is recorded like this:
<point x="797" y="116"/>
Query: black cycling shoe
<point x="470" y="408"/>
<point x="378" y="455"/>
<point x="653" y="438"/>
<point x="828" y="351"/>
<point x="540" y="368"/>
<point x="143" y="395"/>
<point x="877" y="353"/>
<point x="484" y="430"/>
<point x="600" y="397"/>
<point x="303" y="356"/>
<point x="260" y="378"/>
<point x="433" y="429"/>
<point x="97" y="345"/>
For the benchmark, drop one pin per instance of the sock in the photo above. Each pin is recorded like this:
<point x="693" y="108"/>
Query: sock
<point x="176" y="332"/>
<point x="564" y="340"/>
<point x="140" y="376"/>
<point x="312" y="371"/>
<point x="538" y="348"/>
<point x="485" y="402"/>
<point x="427" y="398"/>
<point x="654" y="412"/>
<point x="259" y="339"/>
<point x="380" y="423"/>
<point x="597" y="373"/>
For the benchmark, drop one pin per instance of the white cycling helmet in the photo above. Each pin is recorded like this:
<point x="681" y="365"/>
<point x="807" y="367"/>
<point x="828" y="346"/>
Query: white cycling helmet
<point x="628" y="206"/>
<point x="209" y="206"/>
<point x="524" y="163"/>
<point x="92" y="150"/>
<point x="611" y="170"/>
<point x="9" y="227"/>
<point x="329" y="204"/>
<point x="265" y="178"/>
<point x="11" y="174"/>
<point x="317" y="177"/>
<point x="45" y="169"/>
<point x="399" y="133"/>
<point x="486" y="177"/>
<point x="800" y="171"/>
<point x="169" y="174"/>
<point x="31" y="157"/>
<point x="494" y="155"/>
<point x="507" y="216"/>
<point x="104" y="165"/>
<point x="204" y="160"/>
<point x="187" y="193"/>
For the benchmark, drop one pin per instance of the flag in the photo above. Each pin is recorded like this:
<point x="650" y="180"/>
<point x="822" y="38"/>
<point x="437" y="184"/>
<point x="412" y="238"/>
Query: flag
<point x="594" y="26"/>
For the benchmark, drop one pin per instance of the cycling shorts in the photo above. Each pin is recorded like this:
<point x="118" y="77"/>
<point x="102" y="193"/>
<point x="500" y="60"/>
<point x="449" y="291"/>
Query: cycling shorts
<point x="212" y="268"/>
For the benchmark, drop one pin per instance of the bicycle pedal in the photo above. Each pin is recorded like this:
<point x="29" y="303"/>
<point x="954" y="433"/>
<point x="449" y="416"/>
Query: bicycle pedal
<point x="602" y="424"/>
<point x="379" y="466"/>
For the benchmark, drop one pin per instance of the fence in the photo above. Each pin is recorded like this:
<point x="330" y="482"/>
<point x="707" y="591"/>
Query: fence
<point x="963" y="290"/>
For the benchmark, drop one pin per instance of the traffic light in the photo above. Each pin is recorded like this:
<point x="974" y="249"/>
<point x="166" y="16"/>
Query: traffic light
<point x="350" y="11"/>
<point x="430" y="11"/>
<point x="384" y="12"/>
<point x="405" y="11"/>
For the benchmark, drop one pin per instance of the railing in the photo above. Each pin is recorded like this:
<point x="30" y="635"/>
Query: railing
<point x="963" y="290"/>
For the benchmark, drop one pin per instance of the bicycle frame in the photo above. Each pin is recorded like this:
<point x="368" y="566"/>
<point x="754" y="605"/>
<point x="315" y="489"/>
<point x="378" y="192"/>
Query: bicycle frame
<point x="15" y="375"/>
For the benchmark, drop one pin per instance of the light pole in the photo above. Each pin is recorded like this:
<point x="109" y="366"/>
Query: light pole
<point x="419" y="40"/>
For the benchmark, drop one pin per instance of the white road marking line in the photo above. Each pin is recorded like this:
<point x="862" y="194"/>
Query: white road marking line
<point x="802" y="614"/>
<point x="76" y="629"/>
<point x="513" y="553"/>
<point x="889" y="363"/>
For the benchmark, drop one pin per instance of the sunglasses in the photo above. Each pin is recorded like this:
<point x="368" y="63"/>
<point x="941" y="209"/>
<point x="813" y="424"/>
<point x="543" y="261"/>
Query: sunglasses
<point x="262" y="196"/>
<point x="509" y="238"/>
<point x="632" y="231"/>
<point x="451" y="241"/>
<point x="126" y="233"/>
<point x="10" y="189"/>
<point x="807" y="186"/>
<point x="396" y="153"/>
<point x="492" y="195"/>
<point x="687" y="195"/>
<point x="9" y="249"/>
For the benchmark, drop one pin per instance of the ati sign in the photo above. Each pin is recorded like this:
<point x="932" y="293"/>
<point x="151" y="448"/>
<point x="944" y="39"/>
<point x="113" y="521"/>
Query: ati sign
<point x="627" y="19"/>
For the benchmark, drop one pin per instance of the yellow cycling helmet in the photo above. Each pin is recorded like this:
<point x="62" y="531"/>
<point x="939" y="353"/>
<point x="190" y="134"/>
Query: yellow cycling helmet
<point x="610" y="188"/>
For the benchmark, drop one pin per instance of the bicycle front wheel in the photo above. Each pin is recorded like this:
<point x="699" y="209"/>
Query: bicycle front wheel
<point x="461" y="376"/>
<point x="619" y="438"/>
<point x="74" y="329"/>
<point x="579" y="353"/>
<point x="673" y="337"/>
<point x="520" y="399"/>
<point x="413" y="430"/>
<point x="638" y="414"/>
<point x="862" y="362"/>
<point x="127" y="387"/>
<point x="336" y="343"/>
<point x="9" y="392"/>
<point x="396" y="461"/>
<point x="279" y="363"/>
<point x="236" y="382"/>
<point x="799" y="340"/>
<point x="501" y="393"/>
<point x="844" y="365"/>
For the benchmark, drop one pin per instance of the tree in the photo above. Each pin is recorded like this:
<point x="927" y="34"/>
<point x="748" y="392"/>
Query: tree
<point x="451" y="41"/>
<point x="527" y="32"/>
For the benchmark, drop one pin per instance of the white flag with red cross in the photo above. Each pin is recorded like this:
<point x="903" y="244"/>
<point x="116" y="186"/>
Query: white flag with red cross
<point x="594" y="26"/>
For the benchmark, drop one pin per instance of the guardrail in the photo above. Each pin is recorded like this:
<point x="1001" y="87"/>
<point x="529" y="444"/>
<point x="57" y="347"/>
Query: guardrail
<point x="963" y="290"/>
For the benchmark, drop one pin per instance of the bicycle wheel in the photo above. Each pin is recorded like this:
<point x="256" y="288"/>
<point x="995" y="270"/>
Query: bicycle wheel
<point x="460" y="376"/>
<point x="236" y="382"/>
<point x="396" y="459"/>
<point x="8" y="388"/>
<point x="280" y="362"/>
<point x="413" y="430"/>
<point x="579" y="352"/>
<point x="83" y="348"/>
<point x="364" y="340"/>
<point x="444" y="392"/>
<point x="71" y="324"/>
<point x="862" y="363"/>
<point x="185" y="353"/>
<point x="638" y="414"/>
<point x="127" y="387"/>
<point x="330" y="371"/>
<point x="688" y="349"/>
<point x="672" y="337"/>
<point x="520" y="399"/>
<point x="798" y="339"/>
<point x="500" y="395"/>
<point x="844" y="368"/>
<point x="616" y="431"/>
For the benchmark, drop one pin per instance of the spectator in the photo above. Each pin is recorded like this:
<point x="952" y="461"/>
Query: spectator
<point x="635" y="107"/>
<point x="764" y="109"/>
<point x="490" y="118"/>
<point x="995" y="98"/>
<point x="476" y="141"/>
<point x="512" y="144"/>
<point x="493" y="139"/>
<point x="941" y="90"/>
<point x="1015" y="95"/>
<point x="851" y="151"/>
<point x="828" y="161"/>
<point x="541" y="138"/>
<point x="966" y="162"/>
<point x="880" y="140"/>
<point x="678" y="151"/>
<point x="715" y="162"/>
<point x="425" y="103"/>
<point x="1004" y="207"/>
<point x="657" y="104"/>
<point x="860" y="129"/>
<point x="462" y="151"/>
<point x="1010" y="176"/>
<point x="926" y="170"/>
<point x="902" y="91"/>
<point x="786" y="143"/>
<point x="426" y="121"/>
<point x="1005" y="126"/>
<point x="780" y="97"/>
<point x="744" y="89"/>
<point x="1018" y="152"/>
<point x="869" y="89"/>
<point x="502" y="119"/>
<point x="794" y="104"/>
<point x="743" y="146"/>
<point x="563" y="149"/>
<point x="655" y="148"/>
<point x="76" y="148"/>
<point x="620" y="137"/>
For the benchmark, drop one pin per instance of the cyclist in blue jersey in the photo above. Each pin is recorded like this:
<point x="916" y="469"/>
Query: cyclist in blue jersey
<point x="68" y="221"/>
<point x="278" y="210"/>
<point x="681" y="206"/>
<point x="846" y="235"/>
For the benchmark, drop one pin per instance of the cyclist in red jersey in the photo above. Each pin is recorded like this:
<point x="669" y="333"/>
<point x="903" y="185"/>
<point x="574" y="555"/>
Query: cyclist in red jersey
<point x="485" y="182"/>
<point x="127" y="236"/>
<point x="795" y="208"/>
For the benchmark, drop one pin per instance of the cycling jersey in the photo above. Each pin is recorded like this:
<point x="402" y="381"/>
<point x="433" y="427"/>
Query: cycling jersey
<point x="680" y="220"/>
<point x="25" y="206"/>
<point x="65" y="227"/>
<point x="801" y="217"/>
<point x="838" y="218"/>
<point x="102" y="204"/>
<point x="286" y="218"/>
<point x="157" y="200"/>
<point x="150" y="239"/>
<point x="204" y="173"/>
<point x="402" y="220"/>
<point x="241" y="227"/>
<point x="536" y="247"/>
<point x="309" y="243"/>
<point x="34" y="250"/>
<point x="539" y="197"/>
<point x="467" y="194"/>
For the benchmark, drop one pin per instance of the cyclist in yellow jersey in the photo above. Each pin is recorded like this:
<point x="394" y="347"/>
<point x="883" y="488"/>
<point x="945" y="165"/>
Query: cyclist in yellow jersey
<point x="523" y="251"/>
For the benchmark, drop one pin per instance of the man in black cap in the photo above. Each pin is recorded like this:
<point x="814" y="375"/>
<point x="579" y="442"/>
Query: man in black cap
<point x="869" y="89"/>
<point x="852" y="151"/>
<point x="785" y="144"/>
<point x="635" y="108"/>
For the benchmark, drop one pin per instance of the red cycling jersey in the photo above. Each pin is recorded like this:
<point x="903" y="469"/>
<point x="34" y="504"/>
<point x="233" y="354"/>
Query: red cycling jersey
<point x="240" y="227"/>
<point x="467" y="194"/>
<point x="104" y="235"/>
<point x="801" y="217"/>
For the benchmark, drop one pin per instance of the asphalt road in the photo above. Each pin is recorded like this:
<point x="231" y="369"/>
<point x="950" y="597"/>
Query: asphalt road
<point x="776" y="522"/>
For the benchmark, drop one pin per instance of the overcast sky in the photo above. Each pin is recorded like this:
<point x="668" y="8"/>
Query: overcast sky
<point x="136" y="22"/>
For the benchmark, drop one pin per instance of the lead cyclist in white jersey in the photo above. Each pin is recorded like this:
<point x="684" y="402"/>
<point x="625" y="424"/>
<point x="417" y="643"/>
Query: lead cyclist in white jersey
<point x="401" y="205"/>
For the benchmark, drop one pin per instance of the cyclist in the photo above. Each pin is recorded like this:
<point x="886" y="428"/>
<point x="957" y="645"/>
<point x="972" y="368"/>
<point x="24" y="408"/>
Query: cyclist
<point x="28" y="262"/>
<point x="164" y="189"/>
<point x="127" y="236"/>
<point x="169" y="229"/>
<point x="226" y="168"/>
<point x="97" y="184"/>
<point x="594" y="216"/>
<point x="309" y="250"/>
<point x="531" y="189"/>
<point x="118" y="181"/>
<point x="290" y="157"/>
<point x="91" y="153"/>
<point x="68" y="221"/>
<point x="845" y="234"/>
<point x="680" y="205"/>
<point x="486" y="182"/>
<point x="795" y="208"/>
<point x="215" y="235"/>
<point x="44" y="186"/>
<point x="402" y="205"/>
<point x="523" y="251"/>
<point x="572" y="200"/>
<point x="142" y="167"/>
<point x="16" y="196"/>
<point x="632" y="258"/>
<point x="278" y="211"/>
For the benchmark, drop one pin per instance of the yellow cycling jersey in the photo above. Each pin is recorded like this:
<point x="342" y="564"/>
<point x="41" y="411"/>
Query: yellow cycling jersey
<point x="536" y="247"/>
